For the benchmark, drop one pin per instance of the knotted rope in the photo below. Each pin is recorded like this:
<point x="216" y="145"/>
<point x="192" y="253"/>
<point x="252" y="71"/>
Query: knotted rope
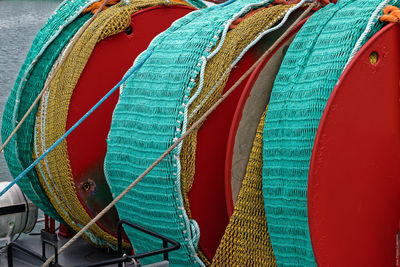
<point x="391" y="14"/>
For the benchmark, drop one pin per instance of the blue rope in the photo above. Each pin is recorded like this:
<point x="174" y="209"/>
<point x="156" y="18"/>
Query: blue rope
<point x="227" y="3"/>
<point x="70" y="130"/>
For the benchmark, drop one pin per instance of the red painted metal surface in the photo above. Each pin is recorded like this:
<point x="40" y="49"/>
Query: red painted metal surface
<point x="207" y="199"/>
<point x="238" y="116"/>
<point x="49" y="224"/>
<point x="65" y="232"/>
<point x="354" y="179"/>
<point x="210" y="204"/>
<point x="87" y="145"/>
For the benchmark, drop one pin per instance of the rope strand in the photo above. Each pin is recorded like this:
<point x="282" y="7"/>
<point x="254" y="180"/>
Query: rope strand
<point x="194" y="126"/>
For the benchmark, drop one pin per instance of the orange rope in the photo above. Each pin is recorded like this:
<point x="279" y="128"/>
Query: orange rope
<point x="391" y="14"/>
<point x="95" y="6"/>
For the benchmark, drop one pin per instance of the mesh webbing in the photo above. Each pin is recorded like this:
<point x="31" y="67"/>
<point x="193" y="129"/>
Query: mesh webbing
<point x="44" y="50"/>
<point x="53" y="117"/>
<point x="147" y="120"/>
<point x="246" y="240"/>
<point x="309" y="72"/>
<point x="216" y="75"/>
<point x="196" y="3"/>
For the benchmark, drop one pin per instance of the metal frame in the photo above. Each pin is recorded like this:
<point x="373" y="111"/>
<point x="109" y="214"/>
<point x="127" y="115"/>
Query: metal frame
<point x="46" y="238"/>
<point x="51" y="239"/>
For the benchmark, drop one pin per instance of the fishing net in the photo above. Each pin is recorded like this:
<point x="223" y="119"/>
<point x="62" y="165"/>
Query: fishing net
<point x="246" y="240"/>
<point x="95" y="6"/>
<point x="215" y="77"/>
<point x="196" y="3"/>
<point x="52" y="117"/>
<point x="49" y="41"/>
<point x="309" y="72"/>
<point x="151" y="114"/>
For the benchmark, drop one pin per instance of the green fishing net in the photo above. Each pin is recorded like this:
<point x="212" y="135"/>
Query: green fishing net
<point x="308" y="74"/>
<point x="150" y="116"/>
<point x="49" y="42"/>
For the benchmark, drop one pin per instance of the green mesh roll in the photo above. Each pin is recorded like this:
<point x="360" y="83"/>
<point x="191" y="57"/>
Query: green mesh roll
<point x="149" y="118"/>
<point x="308" y="74"/>
<point x="49" y="42"/>
<point x="196" y="3"/>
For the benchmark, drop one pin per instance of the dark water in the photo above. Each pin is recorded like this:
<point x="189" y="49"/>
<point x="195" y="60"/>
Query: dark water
<point x="19" y="23"/>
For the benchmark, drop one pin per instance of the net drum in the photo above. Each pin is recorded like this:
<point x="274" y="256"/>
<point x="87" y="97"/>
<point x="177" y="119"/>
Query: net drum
<point x="109" y="61"/>
<point x="216" y="140"/>
<point x="252" y="103"/>
<point x="354" y="185"/>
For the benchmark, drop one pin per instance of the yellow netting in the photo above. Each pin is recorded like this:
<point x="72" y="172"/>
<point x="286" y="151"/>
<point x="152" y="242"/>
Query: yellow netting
<point x="236" y="40"/>
<point x="56" y="171"/>
<point x="246" y="240"/>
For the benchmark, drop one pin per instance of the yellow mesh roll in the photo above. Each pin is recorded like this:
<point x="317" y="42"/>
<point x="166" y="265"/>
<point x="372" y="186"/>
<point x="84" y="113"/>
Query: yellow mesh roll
<point x="246" y="240"/>
<point x="236" y="40"/>
<point x="109" y="22"/>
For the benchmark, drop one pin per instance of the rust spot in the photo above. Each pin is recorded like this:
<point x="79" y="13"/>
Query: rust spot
<point x="373" y="57"/>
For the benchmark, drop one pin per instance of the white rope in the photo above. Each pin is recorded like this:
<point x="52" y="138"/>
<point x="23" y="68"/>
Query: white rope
<point x="367" y="30"/>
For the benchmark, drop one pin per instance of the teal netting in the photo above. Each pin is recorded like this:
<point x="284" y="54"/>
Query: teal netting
<point x="196" y="3"/>
<point x="149" y="118"/>
<point x="308" y="74"/>
<point x="50" y="40"/>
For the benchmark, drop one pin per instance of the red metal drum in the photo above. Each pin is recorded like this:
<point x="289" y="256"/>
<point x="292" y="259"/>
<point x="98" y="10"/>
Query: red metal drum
<point x="252" y="103"/>
<point x="208" y="197"/>
<point x="109" y="61"/>
<point x="354" y="178"/>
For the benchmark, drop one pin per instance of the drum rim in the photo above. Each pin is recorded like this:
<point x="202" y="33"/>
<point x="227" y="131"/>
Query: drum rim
<point x="238" y="115"/>
<point x="320" y="146"/>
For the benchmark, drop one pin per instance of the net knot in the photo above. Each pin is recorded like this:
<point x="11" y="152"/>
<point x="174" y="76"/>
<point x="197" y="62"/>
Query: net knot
<point x="391" y="14"/>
